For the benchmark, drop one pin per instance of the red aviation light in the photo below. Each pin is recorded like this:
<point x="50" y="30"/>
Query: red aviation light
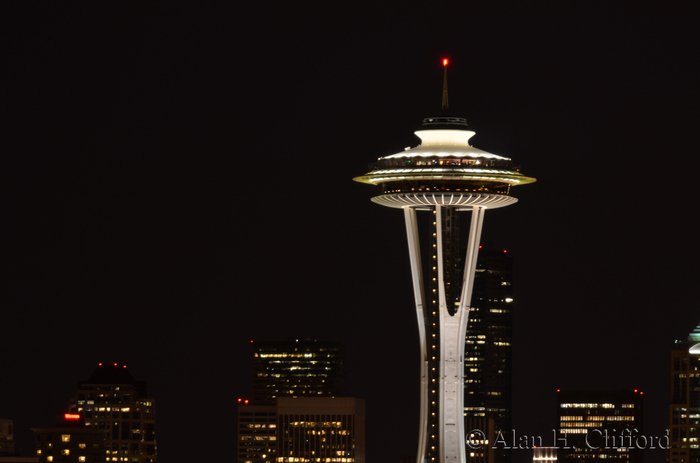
<point x="71" y="416"/>
<point x="445" y="62"/>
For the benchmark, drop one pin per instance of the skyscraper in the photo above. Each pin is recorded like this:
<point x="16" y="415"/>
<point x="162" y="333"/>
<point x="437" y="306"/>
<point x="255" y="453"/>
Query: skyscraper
<point x="684" y="412"/>
<point x="297" y="368"/>
<point x="599" y="426"/>
<point x="299" y="413"/>
<point x="488" y="352"/>
<point x="444" y="176"/>
<point x="112" y="400"/>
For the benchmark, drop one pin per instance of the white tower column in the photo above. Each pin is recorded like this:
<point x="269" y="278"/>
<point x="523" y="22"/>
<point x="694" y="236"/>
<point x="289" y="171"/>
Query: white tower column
<point x="453" y="329"/>
<point x="419" y="295"/>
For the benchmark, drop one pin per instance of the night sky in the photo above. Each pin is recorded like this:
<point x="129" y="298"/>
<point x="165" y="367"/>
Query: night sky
<point x="178" y="182"/>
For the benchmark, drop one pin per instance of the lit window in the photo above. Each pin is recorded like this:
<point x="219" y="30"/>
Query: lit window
<point x="81" y="458"/>
<point x="49" y="458"/>
<point x="65" y="452"/>
<point x="65" y="438"/>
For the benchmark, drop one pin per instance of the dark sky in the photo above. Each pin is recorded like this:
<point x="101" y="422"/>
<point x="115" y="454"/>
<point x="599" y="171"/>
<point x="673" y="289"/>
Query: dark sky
<point x="179" y="182"/>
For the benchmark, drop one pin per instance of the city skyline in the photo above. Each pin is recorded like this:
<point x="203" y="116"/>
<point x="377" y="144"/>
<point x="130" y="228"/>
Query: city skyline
<point x="174" y="193"/>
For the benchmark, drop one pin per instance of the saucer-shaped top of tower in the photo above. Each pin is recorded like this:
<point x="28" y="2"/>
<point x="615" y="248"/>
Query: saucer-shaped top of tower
<point x="695" y="338"/>
<point x="444" y="169"/>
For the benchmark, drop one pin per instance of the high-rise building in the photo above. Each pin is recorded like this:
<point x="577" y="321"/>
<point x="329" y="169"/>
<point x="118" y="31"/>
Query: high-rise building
<point x="298" y="413"/>
<point x="684" y="413"/>
<point x="297" y="368"/>
<point x="488" y="353"/>
<point x="72" y="442"/>
<point x="599" y="426"/>
<point x="444" y="176"/>
<point x="113" y="401"/>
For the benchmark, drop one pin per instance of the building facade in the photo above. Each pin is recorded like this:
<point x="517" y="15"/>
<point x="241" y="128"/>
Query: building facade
<point x="71" y="441"/>
<point x="112" y="400"/>
<point x="297" y="368"/>
<point x="299" y="412"/>
<point x="488" y="353"/>
<point x="321" y="429"/>
<point x="257" y="433"/>
<point x="684" y="411"/>
<point x="599" y="426"/>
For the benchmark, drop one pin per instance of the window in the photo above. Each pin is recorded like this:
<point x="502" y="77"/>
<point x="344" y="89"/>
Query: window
<point x="65" y="437"/>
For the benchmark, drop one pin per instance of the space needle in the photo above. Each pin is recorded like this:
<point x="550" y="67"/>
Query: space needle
<point x="444" y="175"/>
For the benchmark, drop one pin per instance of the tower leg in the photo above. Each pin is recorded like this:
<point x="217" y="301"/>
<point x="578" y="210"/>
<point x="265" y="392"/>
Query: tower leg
<point x="419" y="296"/>
<point x="453" y="330"/>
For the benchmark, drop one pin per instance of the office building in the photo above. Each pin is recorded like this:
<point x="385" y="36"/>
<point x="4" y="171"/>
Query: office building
<point x="112" y="400"/>
<point x="297" y="368"/>
<point x="599" y="426"/>
<point x="71" y="441"/>
<point x="299" y="412"/>
<point x="443" y="176"/>
<point x="257" y="433"/>
<point x="684" y="413"/>
<point x="488" y="353"/>
<point x="318" y="429"/>
<point x="321" y="429"/>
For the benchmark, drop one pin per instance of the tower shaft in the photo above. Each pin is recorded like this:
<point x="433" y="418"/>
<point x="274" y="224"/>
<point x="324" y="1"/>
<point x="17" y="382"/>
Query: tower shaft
<point x="448" y="381"/>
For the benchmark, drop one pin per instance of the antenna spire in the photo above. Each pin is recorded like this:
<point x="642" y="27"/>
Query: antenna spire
<point x="445" y="105"/>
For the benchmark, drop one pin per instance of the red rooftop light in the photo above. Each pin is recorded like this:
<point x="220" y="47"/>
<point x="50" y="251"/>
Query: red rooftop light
<point x="445" y="61"/>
